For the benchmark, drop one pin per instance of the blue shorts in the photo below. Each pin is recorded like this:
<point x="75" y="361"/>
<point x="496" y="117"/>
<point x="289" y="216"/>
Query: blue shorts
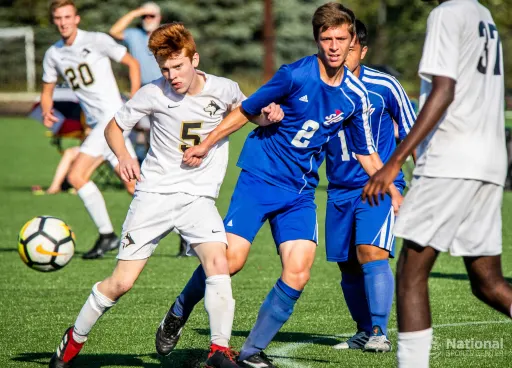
<point x="292" y="216"/>
<point x="351" y="222"/>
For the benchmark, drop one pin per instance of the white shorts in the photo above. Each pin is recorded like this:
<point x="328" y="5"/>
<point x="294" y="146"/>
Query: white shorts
<point x="152" y="216"/>
<point x="462" y="216"/>
<point x="96" y="145"/>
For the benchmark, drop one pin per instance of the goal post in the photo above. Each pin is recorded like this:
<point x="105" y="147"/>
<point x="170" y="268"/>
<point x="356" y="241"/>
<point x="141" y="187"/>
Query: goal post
<point x="27" y="34"/>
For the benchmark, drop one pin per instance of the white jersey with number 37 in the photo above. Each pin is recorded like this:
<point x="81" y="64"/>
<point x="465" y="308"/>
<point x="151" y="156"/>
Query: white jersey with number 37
<point x="178" y="122"/>
<point x="85" y="65"/>
<point x="463" y="43"/>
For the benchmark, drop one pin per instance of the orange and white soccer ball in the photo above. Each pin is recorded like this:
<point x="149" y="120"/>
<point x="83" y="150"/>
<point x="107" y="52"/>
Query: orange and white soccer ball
<point x="46" y="243"/>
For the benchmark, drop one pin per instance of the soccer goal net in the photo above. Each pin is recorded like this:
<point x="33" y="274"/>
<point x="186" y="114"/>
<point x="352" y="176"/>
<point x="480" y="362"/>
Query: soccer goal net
<point x="17" y="59"/>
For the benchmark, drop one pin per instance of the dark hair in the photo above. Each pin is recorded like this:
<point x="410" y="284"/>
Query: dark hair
<point x="362" y="33"/>
<point x="332" y="15"/>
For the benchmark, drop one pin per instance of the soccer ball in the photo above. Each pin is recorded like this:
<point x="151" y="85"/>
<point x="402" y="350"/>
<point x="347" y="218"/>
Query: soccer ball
<point x="46" y="243"/>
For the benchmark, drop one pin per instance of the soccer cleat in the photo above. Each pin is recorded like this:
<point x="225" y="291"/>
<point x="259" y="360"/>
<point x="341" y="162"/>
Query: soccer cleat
<point x="221" y="357"/>
<point x="378" y="342"/>
<point x="168" y="333"/>
<point x="355" y="342"/>
<point x="260" y="360"/>
<point x="66" y="351"/>
<point x="105" y="243"/>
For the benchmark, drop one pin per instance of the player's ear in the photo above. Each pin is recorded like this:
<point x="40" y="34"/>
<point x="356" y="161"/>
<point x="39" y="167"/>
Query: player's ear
<point x="195" y="60"/>
<point x="364" y="50"/>
<point x="77" y="19"/>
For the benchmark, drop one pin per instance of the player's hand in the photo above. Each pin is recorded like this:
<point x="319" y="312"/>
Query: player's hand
<point x="49" y="119"/>
<point x="194" y="155"/>
<point x="273" y="113"/>
<point x="144" y="10"/>
<point x="129" y="169"/>
<point x="379" y="183"/>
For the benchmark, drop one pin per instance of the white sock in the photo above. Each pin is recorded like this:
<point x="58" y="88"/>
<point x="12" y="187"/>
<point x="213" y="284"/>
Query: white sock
<point x="95" y="306"/>
<point x="95" y="205"/>
<point x="414" y="348"/>
<point x="220" y="306"/>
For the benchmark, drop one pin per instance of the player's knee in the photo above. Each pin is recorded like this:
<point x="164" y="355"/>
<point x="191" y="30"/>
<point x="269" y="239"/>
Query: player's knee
<point x="488" y="291"/>
<point x="216" y="265"/>
<point x="297" y="279"/>
<point x="371" y="253"/>
<point x="235" y="264"/>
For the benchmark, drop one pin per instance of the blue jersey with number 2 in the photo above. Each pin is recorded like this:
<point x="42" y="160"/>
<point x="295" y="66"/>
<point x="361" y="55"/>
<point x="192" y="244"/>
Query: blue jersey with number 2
<point x="288" y="154"/>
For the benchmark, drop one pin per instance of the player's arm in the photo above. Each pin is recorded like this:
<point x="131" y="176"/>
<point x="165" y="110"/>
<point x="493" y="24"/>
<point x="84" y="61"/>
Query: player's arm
<point x="128" y="166"/>
<point x="251" y="109"/>
<point x="134" y="72"/>
<point x="373" y="163"/>
<point x="136" y="108"/>
<point x="47" y="105"/>
<point x="442" y="95"/>
<point x="117" y="30"/>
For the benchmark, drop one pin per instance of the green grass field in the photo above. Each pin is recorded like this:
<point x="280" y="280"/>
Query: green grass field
<point x="35" y="308"/>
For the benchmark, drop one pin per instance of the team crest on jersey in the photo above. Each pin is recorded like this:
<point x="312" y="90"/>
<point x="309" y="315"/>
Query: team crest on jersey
<point x="127" y="241"/>
<point x="212" y="108"/>
<point x="85" y="52"/>
<point x="333" y="118"/>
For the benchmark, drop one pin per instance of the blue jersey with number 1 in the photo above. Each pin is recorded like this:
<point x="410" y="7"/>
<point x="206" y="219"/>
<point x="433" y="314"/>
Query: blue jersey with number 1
<point x="288" y="154"/>
<point x="388" y="103"/>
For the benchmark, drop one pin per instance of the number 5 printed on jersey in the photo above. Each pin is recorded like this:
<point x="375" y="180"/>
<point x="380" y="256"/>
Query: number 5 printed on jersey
<point x="186" y="134"/>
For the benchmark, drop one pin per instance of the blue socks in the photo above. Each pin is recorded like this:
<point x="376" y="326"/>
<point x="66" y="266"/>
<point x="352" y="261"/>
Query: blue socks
<point x="191" y="294"/>
<point x="355" y="297"/>
<point x="274" y="312"/>
<point x="379" y="286"/>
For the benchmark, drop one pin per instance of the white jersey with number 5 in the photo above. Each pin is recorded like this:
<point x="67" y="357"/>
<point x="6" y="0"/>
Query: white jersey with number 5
<point x="463" y="43"/>
<point x="178" y="122"/>
<point x="85" y="65"/>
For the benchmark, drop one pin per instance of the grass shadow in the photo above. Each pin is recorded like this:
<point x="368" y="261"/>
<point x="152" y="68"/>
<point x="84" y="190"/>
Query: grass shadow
<point x="181" y="358"/>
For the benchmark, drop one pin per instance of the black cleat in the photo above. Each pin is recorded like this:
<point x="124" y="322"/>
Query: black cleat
<point x="104" y="244"/>
<point x="66" y="351"/>
<point x="168" y="333"/>
<point x="260" y="360"/>
<point x="221" y="357"/>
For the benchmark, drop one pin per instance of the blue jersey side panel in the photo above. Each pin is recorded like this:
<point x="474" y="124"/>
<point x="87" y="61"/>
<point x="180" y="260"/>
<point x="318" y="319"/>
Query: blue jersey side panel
<point x="388" y="103"/>
<point x="289" y="154"/>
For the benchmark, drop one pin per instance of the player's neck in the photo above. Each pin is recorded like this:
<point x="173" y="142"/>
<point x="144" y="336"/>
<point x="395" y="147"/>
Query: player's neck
<point x="330" y="76"/>
<point x="69" y="41"/>
<point x="357" y="71"/>
<point x="197" y="85"/>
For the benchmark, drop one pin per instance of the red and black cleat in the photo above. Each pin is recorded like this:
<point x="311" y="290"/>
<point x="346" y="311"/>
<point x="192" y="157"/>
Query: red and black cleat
<point x="221" y="357"/>
<point x="66" y="351"/>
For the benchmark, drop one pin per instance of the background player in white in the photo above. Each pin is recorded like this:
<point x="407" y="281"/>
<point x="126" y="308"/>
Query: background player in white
<point x="455" y="199"/>
<point x="83" y="60"/>
<point x="184" y="106"/>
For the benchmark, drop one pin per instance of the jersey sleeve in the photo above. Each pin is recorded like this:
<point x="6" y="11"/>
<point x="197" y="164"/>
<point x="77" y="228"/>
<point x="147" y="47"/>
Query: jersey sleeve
<point x="50" y="73"/>
<point x="275" y="90"/>
<point x="237" y="97"/>
<point x="400" y="108"/>
<point x="109" y="47"/>
<point x="136" y="108"/>
<point x="441" y="50"/>
<point x="360" y="138"/>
